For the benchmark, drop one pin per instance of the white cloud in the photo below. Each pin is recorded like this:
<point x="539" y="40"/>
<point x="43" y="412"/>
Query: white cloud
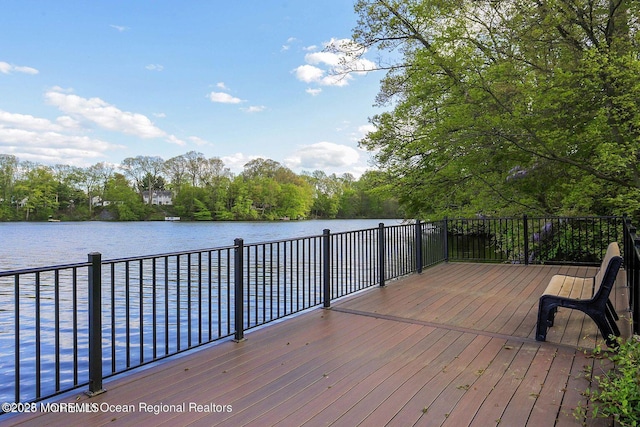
<point x="39" y="140"/>
<point x="335" y="65"/>
<point x="254" y="109"/>
<point x="323" y="156"/>
<point x="364" y="130"/>
<point x="120" y="28"/>
<point x="27" y="122"/>
<point x="236" y="162"/>
<point x="287" y="46"/>
<point x="106" y="116"/>
<point x="6" y="68"/>
<point x="309" y="73"/>
<point x="222" y="86"/>
<point x="313" y="92"/>
<point x="224" y="98"/>
<point x="198" y="141"/>
<point x="328" y="58"/>
<point x="154" y="67"/>
<point x="68" y="122"/>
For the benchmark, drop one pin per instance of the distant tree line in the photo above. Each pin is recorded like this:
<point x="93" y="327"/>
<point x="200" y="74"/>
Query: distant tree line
<point x="199" y="188"/>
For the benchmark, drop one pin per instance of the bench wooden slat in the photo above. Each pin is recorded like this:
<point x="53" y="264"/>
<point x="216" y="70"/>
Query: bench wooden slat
<point x="570" y="287"/>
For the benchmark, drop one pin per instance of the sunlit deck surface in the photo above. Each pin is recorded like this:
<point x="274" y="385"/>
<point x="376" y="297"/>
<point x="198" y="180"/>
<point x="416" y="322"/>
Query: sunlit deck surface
<point x="452" y="346"/>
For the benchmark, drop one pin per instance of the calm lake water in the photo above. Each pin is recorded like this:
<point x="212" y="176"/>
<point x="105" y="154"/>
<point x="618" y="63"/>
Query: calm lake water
<point x="24" y="245"/>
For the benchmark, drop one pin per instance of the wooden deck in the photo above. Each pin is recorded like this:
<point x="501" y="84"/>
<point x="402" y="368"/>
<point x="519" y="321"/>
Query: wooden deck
<point x="453" y="346"/>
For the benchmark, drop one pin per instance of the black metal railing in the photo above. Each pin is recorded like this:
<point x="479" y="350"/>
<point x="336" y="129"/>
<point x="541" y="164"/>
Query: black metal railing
<point x="631" y="264"/>
<point x="533" y="240"/>
<point x="73" y="325"/>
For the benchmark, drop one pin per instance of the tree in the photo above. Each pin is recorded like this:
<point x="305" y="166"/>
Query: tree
<point x="326" y="192"/>
<point x="509" y="105"/>
<point x="123" y="200"/>
<point x="37" y="192"/>
<point x="145" y="172"/>
<point x="92" y="180"/>
<point x="176" y="170"/>
<point x="189" y="203"/>
<point x="294" y="201"/>
<point x="195" y="166"/>
<point x="8" y="172"/>
<point x="265" y="168"/>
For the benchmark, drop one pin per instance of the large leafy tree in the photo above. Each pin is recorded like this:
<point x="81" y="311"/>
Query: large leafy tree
<point x="507" y="106"/>
<point x="145" y="172"/>
<point x="37" y="192"/>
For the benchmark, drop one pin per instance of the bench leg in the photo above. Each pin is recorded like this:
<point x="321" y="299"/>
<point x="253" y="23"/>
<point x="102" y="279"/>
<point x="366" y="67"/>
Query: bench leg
<point x="552" y="316"/>
<point x="606" y="326"/>
<point x="546" y="312"/>
<point x="611" y="317"/>
<point x="612" y="310"/>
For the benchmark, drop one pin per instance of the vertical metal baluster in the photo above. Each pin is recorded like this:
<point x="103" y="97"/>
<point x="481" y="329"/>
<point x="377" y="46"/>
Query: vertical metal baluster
<point x="141" y="310"/>
<point x="199" y="297"/>
<point x="74" y="286"/>
<point x="278" y="272"/>
<point x="113" y="317"/>
<point x="127" y="314"/>
<point x="210" y="291"/>
<point x="189" y="282"/>
<point x="178" y="292"/>
<point x="166" y="305"/>
<point x="154" y="310"/>
<point x="38" y="338"/>
<point x="271" y="272"/>
<point x="56" y="296"/>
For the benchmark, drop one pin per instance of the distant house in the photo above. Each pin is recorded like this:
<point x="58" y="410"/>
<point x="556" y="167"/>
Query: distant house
<point x="158" y="197"/>
<point x="97" y="201"/>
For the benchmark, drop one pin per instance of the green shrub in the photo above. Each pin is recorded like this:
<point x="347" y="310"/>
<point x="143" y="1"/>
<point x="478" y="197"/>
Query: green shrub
<point x="618" y="392"/>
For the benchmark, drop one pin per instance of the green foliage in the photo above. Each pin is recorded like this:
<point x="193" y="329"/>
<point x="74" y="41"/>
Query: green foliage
<point x="122" y="200"/>
<point x="37" y="193"/>
<point x="503" y="108"/>
<point x="618" y="390"/>
<point x="201" y="212"/>
<point x="202" y="189"/>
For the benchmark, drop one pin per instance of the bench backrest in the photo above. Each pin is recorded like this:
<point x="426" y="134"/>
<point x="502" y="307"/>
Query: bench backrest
<point x="606" y="276"/>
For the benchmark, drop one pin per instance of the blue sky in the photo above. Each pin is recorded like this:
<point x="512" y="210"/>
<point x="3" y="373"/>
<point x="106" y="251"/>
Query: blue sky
<point x="91" y="81"/>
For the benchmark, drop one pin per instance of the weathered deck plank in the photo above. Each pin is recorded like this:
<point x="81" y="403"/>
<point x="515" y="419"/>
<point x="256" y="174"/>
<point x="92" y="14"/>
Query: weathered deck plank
<point x="452" y="346"/>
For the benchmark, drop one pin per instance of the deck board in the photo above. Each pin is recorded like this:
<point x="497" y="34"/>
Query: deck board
<point x="449" y="347"/>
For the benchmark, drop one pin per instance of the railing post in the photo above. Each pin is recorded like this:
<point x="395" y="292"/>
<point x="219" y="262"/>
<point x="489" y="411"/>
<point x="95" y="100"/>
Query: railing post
<point x="381" y="254"/>
<point x="634" y="289"/>
<point x="95" y="324"/>
<point x="446" y="239"/>
<point x="418" y="246"/>
<point x="525" y="219"/>
<point x="238" y="259"/>
<point x="326" y="267"/>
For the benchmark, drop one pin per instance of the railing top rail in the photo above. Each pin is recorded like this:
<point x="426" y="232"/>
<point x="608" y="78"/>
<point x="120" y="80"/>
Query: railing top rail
<point x="574" y="217"/>
<point x="43" y="269"/>
<point x="167" y="254"/>
<point x="340" y="233"/>
<point x="487" y="218"/>
<point x="291" y="239"/>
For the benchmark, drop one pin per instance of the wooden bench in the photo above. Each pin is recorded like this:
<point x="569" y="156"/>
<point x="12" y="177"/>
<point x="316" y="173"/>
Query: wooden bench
<point x="587" y="294"/>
